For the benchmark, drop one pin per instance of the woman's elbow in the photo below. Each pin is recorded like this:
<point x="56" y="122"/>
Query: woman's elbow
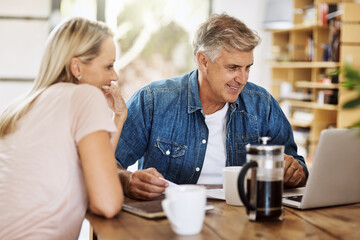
<point x="108" y="210"/>
<point x="110" y="213"/>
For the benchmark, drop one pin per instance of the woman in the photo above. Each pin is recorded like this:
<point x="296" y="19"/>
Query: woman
<point x="57" y="143"/>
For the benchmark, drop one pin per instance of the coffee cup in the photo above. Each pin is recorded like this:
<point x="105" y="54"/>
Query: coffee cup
<point x="184" y="206"/>
<point x="230" y="184"/>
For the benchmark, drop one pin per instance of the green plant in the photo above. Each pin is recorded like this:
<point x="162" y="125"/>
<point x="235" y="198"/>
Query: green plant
<point x="351" y="82"/>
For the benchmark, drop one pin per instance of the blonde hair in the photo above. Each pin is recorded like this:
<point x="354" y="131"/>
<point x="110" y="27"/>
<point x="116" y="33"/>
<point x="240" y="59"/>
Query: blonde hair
<point x="222" y="31"/>
<point x="77" y="37"/>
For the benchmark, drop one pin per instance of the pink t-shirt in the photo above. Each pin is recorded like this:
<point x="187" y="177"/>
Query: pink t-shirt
<point x="42" y="189"/>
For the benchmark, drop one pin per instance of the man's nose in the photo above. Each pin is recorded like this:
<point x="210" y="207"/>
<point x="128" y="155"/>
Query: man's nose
<point x="242" y="76"/>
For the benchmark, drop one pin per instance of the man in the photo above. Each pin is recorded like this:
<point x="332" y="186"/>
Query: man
<point x="186" y="129"/>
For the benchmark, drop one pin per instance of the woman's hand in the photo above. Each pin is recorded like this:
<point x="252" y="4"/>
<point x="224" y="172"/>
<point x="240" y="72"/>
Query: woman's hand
<point x="118" y="106"/>
<point x="115" y="100"/>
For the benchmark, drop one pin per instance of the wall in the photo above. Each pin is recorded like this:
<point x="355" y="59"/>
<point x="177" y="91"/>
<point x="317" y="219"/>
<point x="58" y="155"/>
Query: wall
<point x="251" y="13"/>
<point x="24" y="26"/>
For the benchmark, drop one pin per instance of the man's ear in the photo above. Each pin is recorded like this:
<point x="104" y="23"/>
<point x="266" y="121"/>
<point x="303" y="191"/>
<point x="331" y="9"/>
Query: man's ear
<point x="202" y="61"/>
<point x="74" y="66"/>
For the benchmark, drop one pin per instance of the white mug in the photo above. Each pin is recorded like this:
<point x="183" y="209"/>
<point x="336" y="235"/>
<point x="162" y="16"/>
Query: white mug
<point x="230" y="184"/>
<point x="184" y="206"/>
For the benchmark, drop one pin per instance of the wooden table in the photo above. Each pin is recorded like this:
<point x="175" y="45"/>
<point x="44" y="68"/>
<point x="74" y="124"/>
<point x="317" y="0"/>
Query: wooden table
<point x="230" y="222"/>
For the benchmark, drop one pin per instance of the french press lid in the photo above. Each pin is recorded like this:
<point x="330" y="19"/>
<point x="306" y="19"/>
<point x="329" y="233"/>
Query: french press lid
<point x="263" y="148"/>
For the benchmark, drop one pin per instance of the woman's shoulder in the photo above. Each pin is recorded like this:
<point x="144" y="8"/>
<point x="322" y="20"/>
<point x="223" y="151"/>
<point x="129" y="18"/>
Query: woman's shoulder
<point x="74" y="96"/>
<point x="69" y="87"/>
<point x="72" y="90"/>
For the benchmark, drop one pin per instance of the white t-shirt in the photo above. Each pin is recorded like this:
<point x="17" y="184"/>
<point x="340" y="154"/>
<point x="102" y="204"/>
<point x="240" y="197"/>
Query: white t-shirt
<point x="42" y="189"/>
<point x="215" y="156"/>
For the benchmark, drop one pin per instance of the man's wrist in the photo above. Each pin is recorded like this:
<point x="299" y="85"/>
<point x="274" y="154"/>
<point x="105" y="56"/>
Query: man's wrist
<point x="124" y="176"/>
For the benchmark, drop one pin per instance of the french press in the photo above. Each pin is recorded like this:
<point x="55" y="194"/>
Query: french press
<point x="264" y="181"/>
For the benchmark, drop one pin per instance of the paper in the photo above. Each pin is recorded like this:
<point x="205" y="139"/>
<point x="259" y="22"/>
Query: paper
<point x="210" y="193"/>
<point x="215" y="194"/>
<point x="171" y="184"/>
<point x="219" y="193"/>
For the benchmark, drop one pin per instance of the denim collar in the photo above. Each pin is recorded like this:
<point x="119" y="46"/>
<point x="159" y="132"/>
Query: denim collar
<point x="194" y="102"/>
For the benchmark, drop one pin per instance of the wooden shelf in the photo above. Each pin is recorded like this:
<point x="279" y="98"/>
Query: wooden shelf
<point x="312" y="105"/>
<point x="316" y="85"/>
<point x="300" y="28"/>
<point x="300" y="123"/>
<point x="304" y="64"/>
<point x="332" y="1"/>
<point x="300" y="52"/>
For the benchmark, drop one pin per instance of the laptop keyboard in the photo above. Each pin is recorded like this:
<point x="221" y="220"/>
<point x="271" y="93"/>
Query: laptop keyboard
<point x="296" y="198"/>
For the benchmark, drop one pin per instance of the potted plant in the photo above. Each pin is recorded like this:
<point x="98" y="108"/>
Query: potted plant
<point x="352" y="82"/>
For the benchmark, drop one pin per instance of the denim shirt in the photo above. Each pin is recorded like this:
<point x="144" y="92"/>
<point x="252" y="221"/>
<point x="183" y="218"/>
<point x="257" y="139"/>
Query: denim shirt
<point x="166" y="129"/>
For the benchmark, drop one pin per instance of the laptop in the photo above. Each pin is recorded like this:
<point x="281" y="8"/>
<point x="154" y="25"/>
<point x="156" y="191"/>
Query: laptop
<point x="334" y="178"/>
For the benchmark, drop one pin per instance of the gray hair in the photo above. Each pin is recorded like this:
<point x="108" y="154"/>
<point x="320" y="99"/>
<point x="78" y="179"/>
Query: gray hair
<point x="222" y="31"/>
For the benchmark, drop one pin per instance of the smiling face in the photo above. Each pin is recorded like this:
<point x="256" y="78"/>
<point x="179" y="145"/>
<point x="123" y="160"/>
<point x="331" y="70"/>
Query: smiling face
<point x="222" y="81"/>
<point x="100" y="70"/>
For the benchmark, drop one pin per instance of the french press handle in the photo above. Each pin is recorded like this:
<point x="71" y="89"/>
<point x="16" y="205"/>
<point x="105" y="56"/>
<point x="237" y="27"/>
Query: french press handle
<point x="241" y="185"/>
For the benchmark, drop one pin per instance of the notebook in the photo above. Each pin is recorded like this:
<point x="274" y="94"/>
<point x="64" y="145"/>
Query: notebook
<point x="146" y="209"/>
<point x="334" y="177"/>
<point x="150" y="209"/>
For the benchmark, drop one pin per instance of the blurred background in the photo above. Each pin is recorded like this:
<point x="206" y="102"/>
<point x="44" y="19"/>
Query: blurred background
<point x="154" y="39"/>
<point x="294" y="60"/>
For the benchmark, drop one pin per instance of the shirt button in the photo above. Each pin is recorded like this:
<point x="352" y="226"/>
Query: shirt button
<point x="167" y="152"/>
<point x="197" y="169"/>
<point x="203" y="141"/>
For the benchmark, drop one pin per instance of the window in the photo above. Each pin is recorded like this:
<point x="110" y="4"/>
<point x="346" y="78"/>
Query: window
<point x="154" y="38"/>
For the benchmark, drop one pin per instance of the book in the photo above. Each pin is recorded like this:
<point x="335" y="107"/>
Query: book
<point x="335" y="28"/>
<point x="149" y="209"/>
<point x="323" y="12"/>
<point x="146" y="209"/>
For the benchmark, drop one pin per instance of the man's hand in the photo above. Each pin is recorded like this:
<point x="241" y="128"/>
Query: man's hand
<point x="143" y="184"/>
<point x="294" y="175"/>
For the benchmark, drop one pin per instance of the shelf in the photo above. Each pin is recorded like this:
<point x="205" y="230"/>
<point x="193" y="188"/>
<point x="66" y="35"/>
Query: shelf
<point x="299" y="123"/>
<point x="305" y="64"/>
<point x="312" y="105"/>
<point x="299" y="28"/>
<point x="297" y="63"/>
<point x="332" y="1"/>
<point x="316" y="85"/>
